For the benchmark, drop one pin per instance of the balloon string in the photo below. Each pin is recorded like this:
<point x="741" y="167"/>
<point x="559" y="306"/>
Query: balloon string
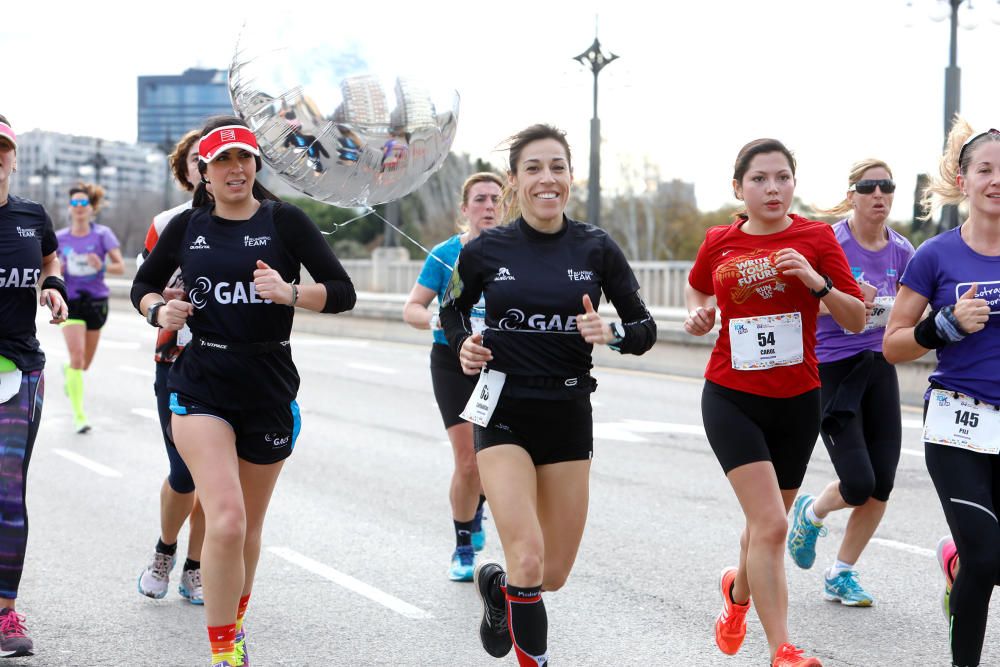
<point x="371" y="211"/>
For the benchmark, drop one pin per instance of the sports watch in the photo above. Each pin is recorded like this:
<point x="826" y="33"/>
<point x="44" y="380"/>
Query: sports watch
<point x="151" y="312"/>
<point x="820" y="293"/>
<point x="618" y="331"/>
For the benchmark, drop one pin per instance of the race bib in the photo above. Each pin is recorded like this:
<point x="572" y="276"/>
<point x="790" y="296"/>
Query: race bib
<point x="184" y="336"/>
<point x="879" y="316"/>
<point x="758" y="343"/>
<point x="484" y="398"/>
<point x="960" y="422"/>
<point x="477" y="318"/>
<point x="77" y="265"/>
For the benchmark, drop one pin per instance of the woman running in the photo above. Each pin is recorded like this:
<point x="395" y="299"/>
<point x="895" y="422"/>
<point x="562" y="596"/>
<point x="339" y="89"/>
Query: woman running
<point x="541" y="276"/>
<point x="768" y="272"/>
<point x="861" y="426"/>
<point x="178" y="502"/>
<point x="88" y="250"/>
<point x="27" y="260"/>
<point x="232" y="390"/>
<point x="956" y="273"/>
<point x="452" y="387"/>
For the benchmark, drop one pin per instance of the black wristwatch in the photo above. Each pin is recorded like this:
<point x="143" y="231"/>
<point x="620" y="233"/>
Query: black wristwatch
<point x="819" y="294"/>
<point x="151" y="312"/>
<point x="618" y="331"/>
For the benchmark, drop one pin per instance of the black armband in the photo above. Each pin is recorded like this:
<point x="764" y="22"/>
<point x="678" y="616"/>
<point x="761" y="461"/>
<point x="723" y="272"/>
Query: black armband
<point x="56" y="283"/>
<point x="927" y="334"/>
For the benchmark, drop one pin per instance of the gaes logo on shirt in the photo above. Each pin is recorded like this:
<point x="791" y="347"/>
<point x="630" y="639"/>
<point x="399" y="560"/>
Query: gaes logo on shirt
<point x="503" y="274"/>
<point x="277" y="442"/>
<point x="199" y="244"/>
<point x="14" y="277"/>
<point x="223" y="292"/>
<point x="516" y="320"/>
<point x="26" y="233"/>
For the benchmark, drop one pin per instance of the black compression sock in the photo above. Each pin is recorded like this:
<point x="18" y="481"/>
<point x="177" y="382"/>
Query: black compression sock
<point x="191" y="564"/>
<point x="169" y="549"/>
<point x="529" y="625"/>
<point x="463" y="533"/>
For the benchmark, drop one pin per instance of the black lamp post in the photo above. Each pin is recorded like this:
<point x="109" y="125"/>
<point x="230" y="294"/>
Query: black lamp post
<point x="44" y="173"/>
<point x="596" y="60"/>
<point x="952" y="99"/>
<point x="98" y="162"/>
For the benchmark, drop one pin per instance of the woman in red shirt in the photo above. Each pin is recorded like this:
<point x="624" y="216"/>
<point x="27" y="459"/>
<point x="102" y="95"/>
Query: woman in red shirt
<point x="767" y="273"/>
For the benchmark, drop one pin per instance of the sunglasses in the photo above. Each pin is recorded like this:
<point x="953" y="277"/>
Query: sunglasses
<point x="79" y="202"/>
<point x="868" y="185"/>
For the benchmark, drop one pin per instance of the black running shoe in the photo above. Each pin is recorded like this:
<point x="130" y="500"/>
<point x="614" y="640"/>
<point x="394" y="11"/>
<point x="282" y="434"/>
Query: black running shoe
<point x="493" y="630"/>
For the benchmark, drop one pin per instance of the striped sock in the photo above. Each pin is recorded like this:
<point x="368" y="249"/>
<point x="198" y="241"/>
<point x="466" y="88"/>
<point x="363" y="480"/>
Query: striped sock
<point x="529" y="625"/>
<point x="223" y="641"/>
<point x="241" y="612"/>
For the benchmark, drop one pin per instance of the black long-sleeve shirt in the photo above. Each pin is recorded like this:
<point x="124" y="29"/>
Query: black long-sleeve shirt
<point x="217" y="258"/>
<point x="534" y="285"/>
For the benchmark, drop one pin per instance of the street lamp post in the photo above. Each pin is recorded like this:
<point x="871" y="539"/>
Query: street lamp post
<point x="595" y="59"/>
<point x="952" y="98"/>
<point x="98" y="162"/>
<point x="44" y="172"/>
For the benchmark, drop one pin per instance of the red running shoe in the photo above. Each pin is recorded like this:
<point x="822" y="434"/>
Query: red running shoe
<point x="789" y="655"/>
<point x="731" y="625"/>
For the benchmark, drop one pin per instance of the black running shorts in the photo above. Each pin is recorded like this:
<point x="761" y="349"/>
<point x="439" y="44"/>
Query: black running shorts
<point x="452" y="387"/>
<point x="550" y="431"/>
<point x="746" y="428"/>
<point x="263" y="436"/>
<point x="93" y="312"/>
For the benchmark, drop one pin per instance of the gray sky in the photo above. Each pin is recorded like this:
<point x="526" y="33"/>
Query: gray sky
<point x="836" y="81"/>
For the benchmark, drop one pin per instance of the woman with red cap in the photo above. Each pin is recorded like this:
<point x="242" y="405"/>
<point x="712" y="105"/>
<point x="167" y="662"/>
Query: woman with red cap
<point x="232" y="393"/>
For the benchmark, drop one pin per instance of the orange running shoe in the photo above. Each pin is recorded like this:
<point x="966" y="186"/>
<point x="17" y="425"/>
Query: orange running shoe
<point x="789" y="655"/>
<point x="731" y="625"/>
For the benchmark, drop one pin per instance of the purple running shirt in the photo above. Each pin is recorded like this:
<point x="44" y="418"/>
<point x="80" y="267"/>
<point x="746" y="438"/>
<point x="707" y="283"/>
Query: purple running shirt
<point x="880" y="268"/>
<point x="944" y="268"/>
<point x="80" y="276"/>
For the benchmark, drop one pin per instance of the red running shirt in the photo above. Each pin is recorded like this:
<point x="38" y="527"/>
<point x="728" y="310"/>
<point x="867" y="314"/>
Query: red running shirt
<point x="738" y="268"/>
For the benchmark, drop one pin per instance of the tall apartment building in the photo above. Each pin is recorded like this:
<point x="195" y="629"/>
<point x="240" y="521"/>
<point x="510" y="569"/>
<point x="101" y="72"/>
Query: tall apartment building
<point x="169" y="106"/>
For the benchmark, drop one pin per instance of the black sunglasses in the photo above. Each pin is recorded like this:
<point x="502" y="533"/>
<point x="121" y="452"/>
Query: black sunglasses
<point x="868" y="185"/>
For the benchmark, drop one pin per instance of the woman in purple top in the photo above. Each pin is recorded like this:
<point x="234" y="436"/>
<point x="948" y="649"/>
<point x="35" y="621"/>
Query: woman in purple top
<point x="87" y="250"/>
<point x="957" y="274"/>
<point x="861" y="425"/>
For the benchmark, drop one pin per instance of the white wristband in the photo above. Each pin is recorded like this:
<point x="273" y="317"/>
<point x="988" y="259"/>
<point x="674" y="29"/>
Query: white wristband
<point x="435" y="322"/>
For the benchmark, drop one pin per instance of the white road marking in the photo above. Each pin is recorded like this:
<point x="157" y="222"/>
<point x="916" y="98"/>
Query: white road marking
<point x="903" y="546"/>
<point x="629" y="429"/>
<point x="372" y="368"/>
<point x="147" y="413"/>
<point x="913" y="423"/>
<point x="100" y="469"/>
<point x="143" y="372"/>
<point x="350" y="583"/>
<point x="912" y="452"/>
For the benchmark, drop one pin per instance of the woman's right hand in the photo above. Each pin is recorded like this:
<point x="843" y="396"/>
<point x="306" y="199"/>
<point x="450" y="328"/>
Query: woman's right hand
<point x="174" y="314"/>
<point x="473" y="356"/>
<point x="700" y="321"/>
<point x="972" y="313"/>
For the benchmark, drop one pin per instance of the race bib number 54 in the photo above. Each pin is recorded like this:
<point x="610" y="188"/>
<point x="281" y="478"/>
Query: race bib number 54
<point x="757" y="343"/>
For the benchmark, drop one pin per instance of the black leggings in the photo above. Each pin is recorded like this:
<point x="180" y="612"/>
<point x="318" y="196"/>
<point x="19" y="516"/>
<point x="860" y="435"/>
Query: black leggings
<point x="864" y="443"/>
<point x="968" y="485"/>
<point x="179" y="477"/>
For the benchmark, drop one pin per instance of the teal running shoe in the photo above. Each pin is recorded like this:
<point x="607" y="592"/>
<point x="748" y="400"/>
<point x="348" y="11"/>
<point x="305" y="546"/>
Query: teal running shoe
<point x="803" y="533"/>
<point x="845" y="589"/>
<point x="463" y="564"/>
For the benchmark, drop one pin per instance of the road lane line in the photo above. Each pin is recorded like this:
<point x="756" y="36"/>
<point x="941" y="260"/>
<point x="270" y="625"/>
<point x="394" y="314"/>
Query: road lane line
<point x="147" y="413"/>
<point x="119" y="344"/>
<point x="912" y="452"/>
<point x="143" y="372"/>
<point x="350" y="583"/>
<point x="372" y="368"/>
<point x="87" y="463"/>
<point x="903" y="546"/>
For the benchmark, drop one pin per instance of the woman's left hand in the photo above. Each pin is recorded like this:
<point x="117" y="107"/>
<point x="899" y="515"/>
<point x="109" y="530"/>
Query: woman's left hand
<point x="270" y="285"/>
<point x="791" y="262"/>
<point x="593" y="329"/>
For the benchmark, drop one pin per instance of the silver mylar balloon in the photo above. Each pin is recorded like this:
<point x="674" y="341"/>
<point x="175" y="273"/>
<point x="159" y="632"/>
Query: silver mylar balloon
<point x="333" y="129"/>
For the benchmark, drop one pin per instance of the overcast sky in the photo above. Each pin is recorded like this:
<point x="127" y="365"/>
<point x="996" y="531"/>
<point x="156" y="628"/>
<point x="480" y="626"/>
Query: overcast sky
<point x="836" y="81"/>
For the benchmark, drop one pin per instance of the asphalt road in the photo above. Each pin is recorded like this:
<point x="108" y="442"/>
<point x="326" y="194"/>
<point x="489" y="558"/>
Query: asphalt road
<point x="359" y="534"/>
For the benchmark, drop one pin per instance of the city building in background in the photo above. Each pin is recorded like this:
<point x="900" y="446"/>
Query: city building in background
<point x="169" y="106"/>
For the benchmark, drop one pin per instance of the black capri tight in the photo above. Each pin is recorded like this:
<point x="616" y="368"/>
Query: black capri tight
<point x="864" y="438"/>
<point x="179" y="477"/>
<point x="745" y="428"/>
<point x="968" y="485"/>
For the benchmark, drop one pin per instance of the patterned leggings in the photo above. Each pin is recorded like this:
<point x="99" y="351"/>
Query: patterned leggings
<point x="19" y="418"/>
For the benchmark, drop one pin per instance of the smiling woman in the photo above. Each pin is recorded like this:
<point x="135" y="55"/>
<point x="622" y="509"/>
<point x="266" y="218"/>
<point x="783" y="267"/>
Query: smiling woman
<point x="232" y="391"/>
<point x="541" y="275"/>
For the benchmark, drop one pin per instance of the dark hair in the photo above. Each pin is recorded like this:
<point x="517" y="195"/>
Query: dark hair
<point x="178" y="158"/>
<point x="515" y="145"/>
<point x="201" y="194"/>
<point x="752" y="150"/>
<point x="94" y="192"/>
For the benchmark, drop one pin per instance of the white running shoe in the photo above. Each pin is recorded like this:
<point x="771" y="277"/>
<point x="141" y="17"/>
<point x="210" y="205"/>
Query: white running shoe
<point x="155" y="579"/>
<point x="190" y="586"/>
